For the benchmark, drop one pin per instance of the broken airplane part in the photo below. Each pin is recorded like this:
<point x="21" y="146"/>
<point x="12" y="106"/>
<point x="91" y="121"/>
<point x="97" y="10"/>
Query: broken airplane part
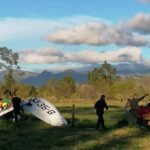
<point x="41" y="109"/>
<point x="45" y="111"/>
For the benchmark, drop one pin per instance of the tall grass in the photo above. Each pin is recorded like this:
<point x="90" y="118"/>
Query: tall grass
<point x="33" y="134"/>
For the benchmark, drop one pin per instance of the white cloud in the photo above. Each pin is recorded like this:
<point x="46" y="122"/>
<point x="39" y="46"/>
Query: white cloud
<point x="80" y="34"/>
<point x="56" y="60"/>
<point x="139" y="23"/>
<point x="130" y="54"/>
<point x="41" y="56"/>
<point x="51" y="55"/>
<point x="11" y="28"/>
<point x="15" y="28"/>
<point x="77" y="30"/>
<point x="98" y="33"/>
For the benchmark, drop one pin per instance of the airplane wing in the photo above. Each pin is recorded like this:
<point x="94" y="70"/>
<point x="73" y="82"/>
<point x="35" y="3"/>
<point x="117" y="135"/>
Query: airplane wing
<point x="45" y="111"/>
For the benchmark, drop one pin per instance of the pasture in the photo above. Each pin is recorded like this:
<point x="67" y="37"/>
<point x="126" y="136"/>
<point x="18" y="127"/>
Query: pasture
<point x="32" y="134"/>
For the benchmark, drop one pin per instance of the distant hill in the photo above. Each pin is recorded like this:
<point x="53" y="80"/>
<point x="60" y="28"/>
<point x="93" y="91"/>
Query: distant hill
<point x="43" y="77"/>
<point x="18" y="75"/>
<point x="126" y="69"/>
<point x="38" y="79"/>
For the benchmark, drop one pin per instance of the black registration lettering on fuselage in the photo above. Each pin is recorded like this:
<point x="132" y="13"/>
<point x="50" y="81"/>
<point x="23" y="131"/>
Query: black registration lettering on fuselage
<point x="43" y="106"/>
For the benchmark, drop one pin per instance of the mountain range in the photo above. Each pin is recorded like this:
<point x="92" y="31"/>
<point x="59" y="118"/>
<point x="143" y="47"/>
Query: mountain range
<point x="43" y="77"/>
<point x="38" y="79"/>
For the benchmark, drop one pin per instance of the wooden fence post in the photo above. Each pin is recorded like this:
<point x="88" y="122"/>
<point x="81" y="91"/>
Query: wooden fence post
<point x="73" y="115"/>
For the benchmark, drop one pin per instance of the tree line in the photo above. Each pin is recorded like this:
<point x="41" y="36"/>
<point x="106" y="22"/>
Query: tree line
<point x="101" y="80"/>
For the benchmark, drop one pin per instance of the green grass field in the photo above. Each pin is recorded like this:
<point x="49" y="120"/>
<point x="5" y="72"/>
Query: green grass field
<point x="33" y="134"/>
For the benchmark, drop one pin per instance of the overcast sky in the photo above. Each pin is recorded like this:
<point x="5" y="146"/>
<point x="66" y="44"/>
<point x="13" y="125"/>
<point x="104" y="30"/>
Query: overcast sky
<point x="73" y="34"/>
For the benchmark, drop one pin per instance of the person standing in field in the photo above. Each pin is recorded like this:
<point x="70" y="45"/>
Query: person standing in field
<point x="17" y="107"/>
<point x="133" y="106"/>
<point x="127" y="111"/>
<point x="99" y="106"/>
<point x="134" y="103"/>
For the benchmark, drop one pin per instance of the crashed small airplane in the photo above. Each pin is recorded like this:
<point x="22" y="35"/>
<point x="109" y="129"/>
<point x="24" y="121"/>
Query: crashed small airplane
<point x="41" y="109"/>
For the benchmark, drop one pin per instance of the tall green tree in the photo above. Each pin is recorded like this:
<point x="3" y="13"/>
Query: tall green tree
<point x="108" y="72"/>
<point x="105" y="73"/>
<point x="58" y="89"/>
<point x="50" y="89"/>
<point x="102" y="78"/>
<point x="67" y="87"/>
<point x="9" y="62"/>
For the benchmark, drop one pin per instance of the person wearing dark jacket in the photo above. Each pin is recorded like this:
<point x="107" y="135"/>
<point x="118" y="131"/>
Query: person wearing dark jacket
<point x="17" y="107"/>
<point x="99" y="106"/>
